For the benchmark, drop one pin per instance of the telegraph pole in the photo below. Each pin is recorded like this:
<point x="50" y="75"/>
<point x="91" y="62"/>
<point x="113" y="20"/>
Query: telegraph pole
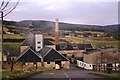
<point x="2" y="34"/>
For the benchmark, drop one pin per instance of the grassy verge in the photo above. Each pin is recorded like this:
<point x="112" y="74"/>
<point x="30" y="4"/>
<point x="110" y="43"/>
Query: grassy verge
<point x="13" y="36"/>
<point x="107" y="75"/>
<point x="19" y="73"/>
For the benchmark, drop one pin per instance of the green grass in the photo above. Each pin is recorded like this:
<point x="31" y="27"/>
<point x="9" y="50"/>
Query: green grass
<point x="13" y="36"/>
<point x="11" y="46"/>
<point x="21" y="73"/>
<point x="107" y="75"/>
<point x="96" y="42"/>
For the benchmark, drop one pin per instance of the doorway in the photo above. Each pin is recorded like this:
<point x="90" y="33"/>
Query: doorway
<point x="59" y="63"/>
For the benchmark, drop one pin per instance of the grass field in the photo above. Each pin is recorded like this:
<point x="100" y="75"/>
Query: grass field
<point x="13" y="36"/>
<point x="11" y="46"/>
<point x="96" y="42"/>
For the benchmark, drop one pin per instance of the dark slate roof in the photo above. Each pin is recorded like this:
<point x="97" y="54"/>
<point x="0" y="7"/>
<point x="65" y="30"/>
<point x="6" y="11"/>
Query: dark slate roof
<point x="29" y="41"/>
<point x="11" y="53"/>
<point x="29" y="56"/>
<point x="50" y="54"/>
<point x="44" y="51"/>
<point x="53" y="55"/>
<point x="47" y="42"/>
<point x="88" y="46"/>
<point x="81" y="47"/>
<point x="73" y="46"/>
<point x="89" y="50"/>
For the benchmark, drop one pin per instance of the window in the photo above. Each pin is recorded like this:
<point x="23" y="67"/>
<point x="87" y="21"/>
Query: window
<point x="39" y="47"/>
<point x="84" y="64"/>
<point x="48" y="62"/>
<point x="75" y="47"/>
<point x="62" y="47"/>
<point x="39" y="42"/>
<point x="90" y="65"/>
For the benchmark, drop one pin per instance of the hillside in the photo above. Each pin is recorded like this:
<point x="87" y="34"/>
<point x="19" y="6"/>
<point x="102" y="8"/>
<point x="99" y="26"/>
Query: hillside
<point x="49" y="26"/>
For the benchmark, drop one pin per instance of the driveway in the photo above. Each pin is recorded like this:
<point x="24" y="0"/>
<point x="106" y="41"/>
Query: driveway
<point x="66" y="74"/>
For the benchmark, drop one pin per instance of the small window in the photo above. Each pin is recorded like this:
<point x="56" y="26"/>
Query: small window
<point x="48" y="62"/>
<point x="90" y="65"/>
<point x="39" y="42"/>
<point x="39" y="47"/>
<point x="84" y="64"/>
<point x="62" y="47"/>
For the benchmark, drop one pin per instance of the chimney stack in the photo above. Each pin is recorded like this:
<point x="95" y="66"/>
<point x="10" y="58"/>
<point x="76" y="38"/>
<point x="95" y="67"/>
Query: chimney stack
<point x="57" y="37"/>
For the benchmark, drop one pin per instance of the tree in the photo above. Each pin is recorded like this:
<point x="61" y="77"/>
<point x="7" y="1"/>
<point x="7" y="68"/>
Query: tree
<point x="6" y="7"/>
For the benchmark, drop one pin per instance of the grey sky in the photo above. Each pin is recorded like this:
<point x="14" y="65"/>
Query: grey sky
<point x="71" y="11"/>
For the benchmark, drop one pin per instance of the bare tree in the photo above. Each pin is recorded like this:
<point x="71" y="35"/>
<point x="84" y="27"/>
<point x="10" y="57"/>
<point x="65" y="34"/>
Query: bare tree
<point x="6" y="7"/>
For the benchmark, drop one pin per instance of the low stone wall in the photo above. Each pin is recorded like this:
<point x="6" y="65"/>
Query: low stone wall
<point x="66" y="64"/>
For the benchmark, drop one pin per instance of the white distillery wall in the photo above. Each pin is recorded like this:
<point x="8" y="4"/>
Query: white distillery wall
<point x="87" y="66"/>
<point x="38" y="41"/>
<point x="84" y="65"/>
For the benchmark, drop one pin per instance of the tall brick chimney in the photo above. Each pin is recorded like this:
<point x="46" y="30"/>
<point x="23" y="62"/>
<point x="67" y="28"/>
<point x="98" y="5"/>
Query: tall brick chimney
<point x="57" y="35"/>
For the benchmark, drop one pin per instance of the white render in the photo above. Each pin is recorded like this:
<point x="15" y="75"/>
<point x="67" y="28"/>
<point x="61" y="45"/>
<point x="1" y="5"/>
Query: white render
<point x="38" y="42"/>
<point x="84" y="65"/>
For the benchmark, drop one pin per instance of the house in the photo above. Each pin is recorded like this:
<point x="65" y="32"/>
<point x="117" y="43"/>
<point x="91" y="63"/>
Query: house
<point x="73" y="51"/>
<point x="36" y="51"/>
<point x="95" y="58"/>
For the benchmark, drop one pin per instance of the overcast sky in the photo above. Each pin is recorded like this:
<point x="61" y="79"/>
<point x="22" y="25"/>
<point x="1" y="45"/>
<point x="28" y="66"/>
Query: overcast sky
<point x="95" y="12"/>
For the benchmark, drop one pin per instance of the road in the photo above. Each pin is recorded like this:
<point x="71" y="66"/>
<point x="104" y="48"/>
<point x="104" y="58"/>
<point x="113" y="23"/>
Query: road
<point x="66" y="74"/>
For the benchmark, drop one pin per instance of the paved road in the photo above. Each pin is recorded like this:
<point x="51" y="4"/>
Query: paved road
<point x="68" y="74"/>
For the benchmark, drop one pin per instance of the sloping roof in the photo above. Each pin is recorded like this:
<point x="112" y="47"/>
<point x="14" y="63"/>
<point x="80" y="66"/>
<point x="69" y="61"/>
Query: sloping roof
<point x="89" y="50"/>
<point x="47" y="42"/>
<point x="29" y="41"/>
<point x="88" y="46"/>
<point x="11" y="53"/>
<point x="73" y="46"/>
<point x="44" y="51"/>
<point x="29" y="56"/>
<point x="54" y="56"/>
<point x="50" y="54"/>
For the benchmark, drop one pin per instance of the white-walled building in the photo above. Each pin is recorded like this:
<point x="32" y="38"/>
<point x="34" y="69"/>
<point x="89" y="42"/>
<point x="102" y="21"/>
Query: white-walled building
<point x="38" y="42"/>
